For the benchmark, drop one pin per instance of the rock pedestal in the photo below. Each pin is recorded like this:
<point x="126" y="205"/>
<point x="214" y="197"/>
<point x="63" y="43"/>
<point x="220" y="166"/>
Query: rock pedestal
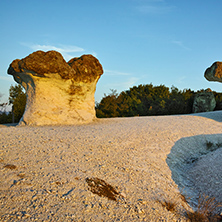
<point x="58" y="92"/>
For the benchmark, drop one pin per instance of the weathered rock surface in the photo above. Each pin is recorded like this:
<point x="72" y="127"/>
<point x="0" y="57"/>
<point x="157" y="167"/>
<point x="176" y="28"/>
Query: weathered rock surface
<point x="214" y="73"/>
<point x="204" y="102"/>
<point x="58" y="92"/>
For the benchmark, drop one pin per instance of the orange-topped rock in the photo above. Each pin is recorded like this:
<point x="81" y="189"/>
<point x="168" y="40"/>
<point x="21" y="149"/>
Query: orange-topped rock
<point x="214" y="73"/>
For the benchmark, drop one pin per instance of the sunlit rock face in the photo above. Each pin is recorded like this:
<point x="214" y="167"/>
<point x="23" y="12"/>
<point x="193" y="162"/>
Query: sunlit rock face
<point x="58" y="92"/>
<point x="214" y="73"/>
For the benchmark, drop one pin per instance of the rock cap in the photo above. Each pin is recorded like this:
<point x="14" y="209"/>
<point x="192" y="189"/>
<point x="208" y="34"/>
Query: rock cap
<point x="214" y="72"/>
<point x="84" y="68"/>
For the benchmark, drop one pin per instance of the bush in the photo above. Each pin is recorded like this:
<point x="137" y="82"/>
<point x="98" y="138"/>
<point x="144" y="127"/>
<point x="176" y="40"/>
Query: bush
<point x="146" y="100"/>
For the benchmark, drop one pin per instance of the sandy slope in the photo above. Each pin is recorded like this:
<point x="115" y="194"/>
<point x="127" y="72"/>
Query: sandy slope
<point x="134" y="155"/>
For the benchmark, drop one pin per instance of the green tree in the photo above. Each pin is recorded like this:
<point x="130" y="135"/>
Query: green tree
<point x="160" y="95"/>
<point x="108" y="106"/>
<point x="1" y="104"/>
<point x="188" y="95"/>
<point x="5" y="117"/>
<point x="18" y="100"/>
<point x="218" y="98"/>
<point x="128" y="104"/>
<point x="175" y="102"/>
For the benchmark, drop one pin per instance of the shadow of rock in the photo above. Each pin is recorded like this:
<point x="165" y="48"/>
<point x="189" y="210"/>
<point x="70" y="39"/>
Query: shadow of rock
<point x="215" y="115"/>
<point x="195" y="163"/>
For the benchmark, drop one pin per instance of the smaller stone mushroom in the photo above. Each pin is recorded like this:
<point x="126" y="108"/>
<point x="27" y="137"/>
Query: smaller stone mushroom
<point x="58" y="92"/>
<point x="204" y="101"/>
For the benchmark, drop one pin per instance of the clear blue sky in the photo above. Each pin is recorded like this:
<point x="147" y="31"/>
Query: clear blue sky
<point x="169" y="42"/>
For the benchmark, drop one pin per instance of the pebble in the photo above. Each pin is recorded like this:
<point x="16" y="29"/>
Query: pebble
<point x="88" y="207"/>
<point x="35" y="198"/>
<point x="27" y="215"/>
<point x="139" y="210"/>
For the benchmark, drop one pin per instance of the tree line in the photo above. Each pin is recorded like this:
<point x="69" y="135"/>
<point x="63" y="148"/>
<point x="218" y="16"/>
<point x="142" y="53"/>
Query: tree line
<point x="17" y="99"/>
<point x="142" y="100"/>
<point x="149" y="100"/>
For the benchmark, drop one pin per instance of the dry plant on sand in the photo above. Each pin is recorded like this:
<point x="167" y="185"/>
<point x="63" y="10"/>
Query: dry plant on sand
<point x="169" y="205"/>
<point x="206" y="210"/>
<point x="213" y="146"/>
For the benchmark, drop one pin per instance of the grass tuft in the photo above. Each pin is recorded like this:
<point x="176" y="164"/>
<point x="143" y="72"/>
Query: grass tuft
<point x="206" y="210"/>
<point x="212" y="147"/>
<point x="219" y="145"/>
<point x="209" y="145"/>
<point x="169" y="205"/>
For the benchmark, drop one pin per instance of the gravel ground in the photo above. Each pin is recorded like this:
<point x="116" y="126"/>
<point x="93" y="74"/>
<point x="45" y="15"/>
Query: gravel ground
<point x="119" y="169"/>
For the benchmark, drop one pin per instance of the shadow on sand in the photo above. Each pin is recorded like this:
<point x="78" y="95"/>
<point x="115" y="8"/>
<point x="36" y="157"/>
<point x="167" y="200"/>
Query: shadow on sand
<point x="195" y="163"/>
<point x="215" y="115"/>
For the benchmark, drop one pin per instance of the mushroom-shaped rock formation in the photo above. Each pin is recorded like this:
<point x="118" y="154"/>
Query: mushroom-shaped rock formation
<point x="58" y="92"/>
<point x="214" y="73"/>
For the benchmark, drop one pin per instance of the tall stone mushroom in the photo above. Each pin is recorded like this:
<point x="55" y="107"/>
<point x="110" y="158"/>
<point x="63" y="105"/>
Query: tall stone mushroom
<point x="58" y="92"/>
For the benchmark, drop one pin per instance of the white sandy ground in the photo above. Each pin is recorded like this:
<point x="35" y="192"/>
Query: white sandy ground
<point x="143" y="158"/>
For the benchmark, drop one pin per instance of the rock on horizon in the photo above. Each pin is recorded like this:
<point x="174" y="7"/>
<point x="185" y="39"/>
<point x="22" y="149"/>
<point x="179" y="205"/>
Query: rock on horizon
<point x="214" y="73"/>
